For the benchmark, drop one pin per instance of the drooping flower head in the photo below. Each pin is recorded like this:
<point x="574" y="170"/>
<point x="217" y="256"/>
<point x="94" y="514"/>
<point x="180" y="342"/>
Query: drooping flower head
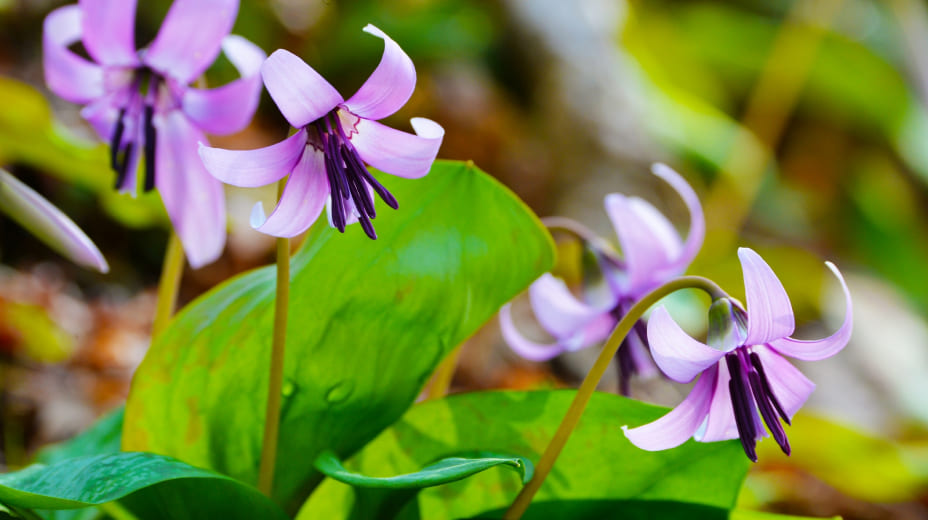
<point x="48" y="223"/>
<point x="141" y="102"/>
<point x="744" y="380"/>
<point x="335" y="138"/>
<point x="652" y="254"/>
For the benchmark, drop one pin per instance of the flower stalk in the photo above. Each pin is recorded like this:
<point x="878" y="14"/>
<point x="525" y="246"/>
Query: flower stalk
<point x="444" y="374"/>
<point x="276" y="377"/>
<point x="593" y="377"/>
<point x="168" y="286"/>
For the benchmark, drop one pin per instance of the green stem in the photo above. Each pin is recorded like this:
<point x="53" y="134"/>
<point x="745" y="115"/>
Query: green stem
<point x="276" y="378"/>
<point x="168" y="286"/>
<point x="441" y="381"/>
<point x="585" y="392"/>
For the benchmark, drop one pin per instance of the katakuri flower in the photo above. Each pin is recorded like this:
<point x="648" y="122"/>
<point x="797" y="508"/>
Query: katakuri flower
<point x="141" y="102"/>
<point x="653" y="253"/>
<point x="335" y="138"/>
<point x="48" y="223"/>
<point x="744" y="380"/>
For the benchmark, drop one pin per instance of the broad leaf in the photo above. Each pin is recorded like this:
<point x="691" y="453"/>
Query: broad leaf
<point x="103" y="437"/>
<point x="598" y="464"/>
<point x="149" y="486"/>
<point x="369" y="322"/>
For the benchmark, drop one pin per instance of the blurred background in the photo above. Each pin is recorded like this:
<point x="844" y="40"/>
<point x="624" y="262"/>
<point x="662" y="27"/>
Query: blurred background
<point x="801" y="124"/>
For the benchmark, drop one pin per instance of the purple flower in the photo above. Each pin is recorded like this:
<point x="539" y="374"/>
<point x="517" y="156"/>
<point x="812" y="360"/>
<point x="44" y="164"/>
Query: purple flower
<point x="326" y="156"/>
<point x="48" y="223"/>
<point x="140" y="101"/>
<point x="745" y="381"/>
<point x="653" y="253"/>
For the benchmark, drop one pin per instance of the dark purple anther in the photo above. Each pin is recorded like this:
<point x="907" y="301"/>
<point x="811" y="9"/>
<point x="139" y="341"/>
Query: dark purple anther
<point x="742" y="405"/>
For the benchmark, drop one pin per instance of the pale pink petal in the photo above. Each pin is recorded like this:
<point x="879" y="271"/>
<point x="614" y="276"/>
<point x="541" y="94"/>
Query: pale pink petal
<point x="789" y="385"/>
<point x="253" y="168"/>
<point x="641" y="357"/>
<point x="302" y="200"/>
<point x="520" y="344"/>
<point x="649" y="243"/>
<point x="679" y="424"/>
<point x="389" y="87"/>
<point x="697" y="230"/>
<point x="557" y="310"/>
<point x="770" y="315"/>
<point x="102" y="114"/>
<point x="826" y="347"/>
<point x="190" y="36"/>
<point x="396" y="152"/>
<point x="678" y="355"/>
<point x="720" y="422"/>
<point x="48" y="223"/>
<point x="229" y="108"/>
<point x="301" y="94"/>
<point x="67" y="74"/>
<point x="193" y="198"/>
<point x="109" y="31"/>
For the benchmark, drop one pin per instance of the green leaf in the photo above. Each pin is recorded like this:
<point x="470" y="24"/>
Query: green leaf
<point x="148" y="486"/>
<point x="446" y="470"/>
<point x="370" y="321"/>
<point x="103" y="437"/>
<point x="598" y="463"/>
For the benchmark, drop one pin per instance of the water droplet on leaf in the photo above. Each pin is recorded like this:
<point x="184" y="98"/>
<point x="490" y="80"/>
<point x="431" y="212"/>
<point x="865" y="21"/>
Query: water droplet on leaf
<point x="288" y="388"/>
<point x="339" y="392"/>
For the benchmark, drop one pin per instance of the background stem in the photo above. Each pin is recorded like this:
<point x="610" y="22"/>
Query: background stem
<point x="168" y="286"/>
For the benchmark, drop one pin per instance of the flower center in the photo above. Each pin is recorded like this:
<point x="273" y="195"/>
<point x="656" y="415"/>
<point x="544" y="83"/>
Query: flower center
<point x="751" y="391"/>
<point x="135" y="128"/>
<point x="349" y="181"/>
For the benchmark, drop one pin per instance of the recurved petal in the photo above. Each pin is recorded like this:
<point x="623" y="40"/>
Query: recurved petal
<point x="679" y="424"/>
<point x="67" y="74"/>
<point x="678" y="355"/>
<point x="253" y="168"/>
<point x="389" y="87"/>
<point x="229" y="108"/>
<point x="301" y="202"/>
<point x="520" y="344"/>
<point x="109" y="31"/>
<point x="301" y="94"/>
<point x="649" y="243"/>
<point x="697" y="230"/>
<point x="48" y="223"/>
<point x="396" y="152"/>
<point x="193" y="198"/>
<point x="770" y="315"/>
<point x="826" y="347"/>
<point x="190" y="37"/>
<point x="790" y="386"/>
<point x="557" y="310"/>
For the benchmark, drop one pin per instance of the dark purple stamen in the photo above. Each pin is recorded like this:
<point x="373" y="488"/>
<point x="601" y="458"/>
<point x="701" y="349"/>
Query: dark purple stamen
<point x="751" y="392"/>
<point x="115" y="146"/>
<point x="150" y="138"/>
<point x="627" y="365"/>
<point x="120" y="151"/>
<point x="742" y="405"/>
<point x="348" y="177"/>
<point x="755" y="360"/>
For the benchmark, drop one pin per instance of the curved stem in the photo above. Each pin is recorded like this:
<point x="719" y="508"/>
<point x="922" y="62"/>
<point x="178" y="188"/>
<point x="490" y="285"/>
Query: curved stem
<point x="168" y="286"/>
<point x="441" y="381"/>
<point x="276" y="376"/>
<point x="585" y="392"/>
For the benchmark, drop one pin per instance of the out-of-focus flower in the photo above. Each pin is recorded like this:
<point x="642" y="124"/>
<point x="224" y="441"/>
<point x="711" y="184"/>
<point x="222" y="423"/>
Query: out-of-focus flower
<point x="48" y="223"/>
<point x="140" y="101"/>
<point x="652" y="254"/>
<point x="744" y="377"/>
<point x="325" y="157"/>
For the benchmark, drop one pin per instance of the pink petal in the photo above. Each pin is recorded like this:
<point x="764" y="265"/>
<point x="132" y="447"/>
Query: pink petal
<point x="720" y="422"/>
<point x="194" y="200"/>
<point x="649" y="243"/>
<point x="67" y="74"/>
<point x="190" y="36"/>
<point x="557" y="310"/>
<point x="678" y="355"/>
<point x="302" y="200"/>
<point x="399" y="153"/>
<point x="520" y="344"/>
<point x="389" y="87"/>
<point x="229" y="108"/>
<point x="102" y="114"/>
<point x="109" y="31"/>
<point x="770" y="315"/>
<point x="301" y="94"/>
<point x="822" y="348"/>
<point x="641" y="357"/>
<point x="697" y="231"/>
<point x="48" y="223"/>
<point x="679" y="424"/>
<point x="253" y="168"/>
<point x="788" y="384"/>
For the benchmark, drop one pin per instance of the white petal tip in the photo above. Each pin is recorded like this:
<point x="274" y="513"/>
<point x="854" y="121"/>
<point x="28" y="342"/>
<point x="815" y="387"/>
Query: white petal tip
<point x="373" y="29"/>
<point x="258" y="217"/>
<point x="427" y="128"/>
